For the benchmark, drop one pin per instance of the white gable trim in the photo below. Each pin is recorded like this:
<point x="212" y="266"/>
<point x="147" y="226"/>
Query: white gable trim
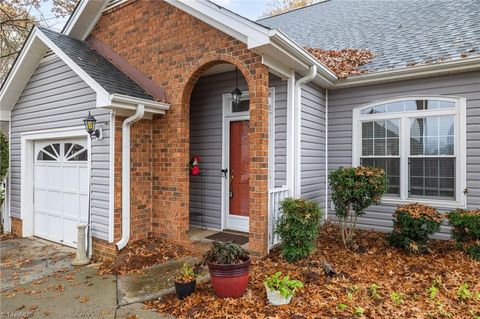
<point x="30" y="56"/>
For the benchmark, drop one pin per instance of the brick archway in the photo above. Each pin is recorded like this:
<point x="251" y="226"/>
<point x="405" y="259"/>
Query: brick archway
<point x="256" y="76"/>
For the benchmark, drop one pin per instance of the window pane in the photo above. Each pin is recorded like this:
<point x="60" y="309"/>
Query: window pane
<point x="431" y="105"/>
<point x="432" y="177"/>
<point x="391" y="166"/>
<point x="446" y="105"/>
<point x="379" y="147"/>
<point x="367" y="147"/>
<point x="368" y="110"/>
<point x="367" y="130"/>
<point x="42" y="156"/>
<point x="243" y="106"/>
<point x="432" y="135"/>
<point x="414" y="105"/>
<point x="83" y="156"/>
<point x="393" y="128"/>
<point x="395" y="107"/>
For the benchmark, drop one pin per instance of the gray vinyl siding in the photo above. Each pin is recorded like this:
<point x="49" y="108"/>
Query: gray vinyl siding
<point x="343" y="101"/>
<point x="313" y="143"/>
<point x="280" y="159"/>
<point x="55" y="97"/>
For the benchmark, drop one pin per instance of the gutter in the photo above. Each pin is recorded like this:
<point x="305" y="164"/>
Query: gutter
<point x="298" y="125"/>
<point x="326" y="155"/>
<point x="139" y="114"/>
<point x="457" y="66"/>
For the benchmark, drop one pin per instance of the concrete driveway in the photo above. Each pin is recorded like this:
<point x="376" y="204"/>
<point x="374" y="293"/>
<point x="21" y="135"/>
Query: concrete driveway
<point x="37" y="281"/>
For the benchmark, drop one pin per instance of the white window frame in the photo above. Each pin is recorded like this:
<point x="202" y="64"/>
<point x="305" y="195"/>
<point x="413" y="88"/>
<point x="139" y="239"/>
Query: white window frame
<point x="459" y="147"/>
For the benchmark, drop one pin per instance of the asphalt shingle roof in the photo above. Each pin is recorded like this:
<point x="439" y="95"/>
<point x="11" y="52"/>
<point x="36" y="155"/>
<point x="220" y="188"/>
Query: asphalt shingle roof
<point x="399" y="32"/>
<point x="99" y="68"/>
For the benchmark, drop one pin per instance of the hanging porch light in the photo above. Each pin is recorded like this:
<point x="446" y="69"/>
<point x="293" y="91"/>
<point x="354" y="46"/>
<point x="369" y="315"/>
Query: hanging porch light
<point x="236" y="93"/>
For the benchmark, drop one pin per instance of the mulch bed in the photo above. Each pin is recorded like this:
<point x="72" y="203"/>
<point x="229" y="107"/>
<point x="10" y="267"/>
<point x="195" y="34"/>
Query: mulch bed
<point x="142" y="254"/>
<point x="374" y="263"/>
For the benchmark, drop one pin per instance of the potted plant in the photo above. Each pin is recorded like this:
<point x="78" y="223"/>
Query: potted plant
<point x="281" y="290"/>
<point x="186" y="280"/>
<point x="228" y="264"/>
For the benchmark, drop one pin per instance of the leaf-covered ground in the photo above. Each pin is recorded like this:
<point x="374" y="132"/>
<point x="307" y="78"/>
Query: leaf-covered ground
<point x="404" y="282"/>
<point x="143" y="254"/>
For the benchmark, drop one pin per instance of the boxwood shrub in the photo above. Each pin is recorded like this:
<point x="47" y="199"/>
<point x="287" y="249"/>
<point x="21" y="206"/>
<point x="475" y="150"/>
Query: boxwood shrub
<point x="412" y="226"/>
<point x="298" y="227"/>
<point x="466" y="230"/>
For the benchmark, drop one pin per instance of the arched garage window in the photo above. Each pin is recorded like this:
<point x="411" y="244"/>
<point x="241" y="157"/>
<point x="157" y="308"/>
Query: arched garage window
<point x="419" y="142"/>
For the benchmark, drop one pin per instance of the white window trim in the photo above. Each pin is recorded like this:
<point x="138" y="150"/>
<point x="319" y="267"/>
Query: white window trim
<point x="459" y="150"/>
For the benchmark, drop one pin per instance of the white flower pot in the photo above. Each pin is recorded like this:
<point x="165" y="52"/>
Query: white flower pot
<point x="275" y="298"/>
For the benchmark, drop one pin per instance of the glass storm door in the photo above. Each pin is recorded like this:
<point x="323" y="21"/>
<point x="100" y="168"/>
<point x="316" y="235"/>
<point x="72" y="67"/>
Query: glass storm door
<point x="237" y="217"/>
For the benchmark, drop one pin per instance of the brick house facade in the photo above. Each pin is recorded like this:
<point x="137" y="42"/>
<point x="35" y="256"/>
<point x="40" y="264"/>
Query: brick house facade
<point x="174" y="48"/>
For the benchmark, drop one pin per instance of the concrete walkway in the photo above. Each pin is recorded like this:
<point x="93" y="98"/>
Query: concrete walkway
<point x="37" y="281"/>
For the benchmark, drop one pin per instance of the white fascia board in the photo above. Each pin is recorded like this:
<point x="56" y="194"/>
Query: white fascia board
<point x="26" y="63"/>
<point x="283" y="41"/>
<point x="128" y="103"/>
<point x="276" y="67"/>
<point x="462" y="65"/>
<point x="84" y="18"/>
<point x="226" y="21"/>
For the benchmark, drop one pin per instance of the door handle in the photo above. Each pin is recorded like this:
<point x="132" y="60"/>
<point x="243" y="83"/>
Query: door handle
<point x="224" y="172"/>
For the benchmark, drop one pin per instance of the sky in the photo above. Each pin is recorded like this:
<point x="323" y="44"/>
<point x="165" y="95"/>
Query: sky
<point x="251" y="9"/>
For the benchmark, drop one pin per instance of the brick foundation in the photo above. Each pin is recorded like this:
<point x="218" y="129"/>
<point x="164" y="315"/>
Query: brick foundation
<point x="174" y="49"/>
<point x="16" y="226"/>
<point x="103" y="249"/>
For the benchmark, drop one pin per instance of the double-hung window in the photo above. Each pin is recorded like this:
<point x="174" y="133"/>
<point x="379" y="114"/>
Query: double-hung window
<point x="419" y="142"/>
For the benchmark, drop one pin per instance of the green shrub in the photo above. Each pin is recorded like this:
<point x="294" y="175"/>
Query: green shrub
<point x="354" y="189"/>
<point x="298" y="227"/>
<point x="466" y="230"/>
<point x="413" y="225"/>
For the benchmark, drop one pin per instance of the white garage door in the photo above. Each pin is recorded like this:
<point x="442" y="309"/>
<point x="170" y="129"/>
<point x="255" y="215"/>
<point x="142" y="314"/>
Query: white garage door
<point x="60" y="189"/>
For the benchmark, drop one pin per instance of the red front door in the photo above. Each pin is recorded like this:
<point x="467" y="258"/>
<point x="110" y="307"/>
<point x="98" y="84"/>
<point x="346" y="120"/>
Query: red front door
<point x="239" y="160"/>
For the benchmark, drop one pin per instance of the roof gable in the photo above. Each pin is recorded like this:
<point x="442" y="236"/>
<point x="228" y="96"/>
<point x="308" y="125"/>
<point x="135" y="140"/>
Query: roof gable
<point x="112" y="87"/>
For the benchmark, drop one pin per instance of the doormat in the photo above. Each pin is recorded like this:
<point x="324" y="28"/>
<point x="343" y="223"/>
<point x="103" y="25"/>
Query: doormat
<point x="223" y="236"/>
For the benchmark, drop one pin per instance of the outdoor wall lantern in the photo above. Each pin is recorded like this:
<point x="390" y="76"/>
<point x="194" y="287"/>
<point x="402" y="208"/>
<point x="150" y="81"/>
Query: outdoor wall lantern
<point x="236" y="93"/>
<point x="90" y="123"/>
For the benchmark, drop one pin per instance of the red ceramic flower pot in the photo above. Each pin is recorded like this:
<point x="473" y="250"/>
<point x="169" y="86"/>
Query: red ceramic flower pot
<point x="229" y="280"/>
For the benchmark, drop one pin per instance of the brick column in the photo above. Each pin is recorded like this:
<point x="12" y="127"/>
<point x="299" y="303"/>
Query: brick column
<point x="258" y="139"/>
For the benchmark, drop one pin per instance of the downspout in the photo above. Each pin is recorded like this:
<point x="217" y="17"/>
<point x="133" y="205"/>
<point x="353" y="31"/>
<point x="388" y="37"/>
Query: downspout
<point x="298" y="119"/>
<point x="326" y="155"/>
<point x="139" y="113"/>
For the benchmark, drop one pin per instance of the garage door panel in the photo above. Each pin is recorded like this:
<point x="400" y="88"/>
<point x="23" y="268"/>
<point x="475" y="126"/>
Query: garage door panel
<point x="54" y="177"/>
<point x="55" y="231"/>
<point x="84" y="207"/>
<point x="41" y="176"/>
<point x="70" y="178"/>
<point x="55" y="202"/>
<point x="70" y="233"/>
<point x="70" y="205"/>
<point x="40" y="197"/>
<point x="60" y="190"/>
<point x="40" y="224"/>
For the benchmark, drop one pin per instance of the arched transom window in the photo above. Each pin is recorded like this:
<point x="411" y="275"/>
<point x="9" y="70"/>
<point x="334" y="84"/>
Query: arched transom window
<point x="419" y="142"/>
<point x="66" y="152"/>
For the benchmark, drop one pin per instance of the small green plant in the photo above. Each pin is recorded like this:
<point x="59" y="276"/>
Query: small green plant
<point x="373" y="291"/>
<point x="350" y="291"/>
<point x="463" y="293"/>
<point x="413" y="225"/>
<point x="358" y="311"/>
<point x="442" y="312"/>
<point x="225" y="253"/>
<point x="466" y="230"/>
<point x="342" y="306"/>
<point x="354" y="189"/>
<point x="187" y="273"/>
<point x="285" y="286"/>
<point x="432" y="292"/>
<point x="396" y="298"/>
<point x="298" y="228"/>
